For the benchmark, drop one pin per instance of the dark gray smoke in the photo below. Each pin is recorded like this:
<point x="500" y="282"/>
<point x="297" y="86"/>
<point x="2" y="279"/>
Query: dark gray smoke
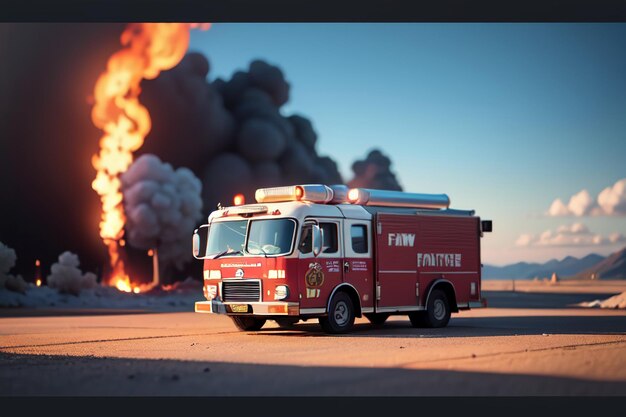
<point x="374" y="172"/>
<point x="233" y="134"/>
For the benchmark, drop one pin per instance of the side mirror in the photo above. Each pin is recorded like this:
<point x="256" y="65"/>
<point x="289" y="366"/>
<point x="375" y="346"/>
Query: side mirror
<point x="199" y="241"/>
<point x="486" y="226"/>
<point x="318" y="239"/>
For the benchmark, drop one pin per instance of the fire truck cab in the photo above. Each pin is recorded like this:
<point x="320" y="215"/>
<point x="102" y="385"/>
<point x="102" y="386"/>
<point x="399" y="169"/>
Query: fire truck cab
<point x="327" y="252"/>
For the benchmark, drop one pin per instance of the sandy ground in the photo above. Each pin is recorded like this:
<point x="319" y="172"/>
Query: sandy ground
<point x="523" y="344"/>
<point x="560" y="287"/>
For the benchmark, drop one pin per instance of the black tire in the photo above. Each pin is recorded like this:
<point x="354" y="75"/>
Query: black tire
<point x="437" y="310"/>
<point x="247" y="323"/>
<point x="418" y="319"/>
<point x="377" y="319"/>
<point x="286" y="322"/>
<point x="340" y="315"/>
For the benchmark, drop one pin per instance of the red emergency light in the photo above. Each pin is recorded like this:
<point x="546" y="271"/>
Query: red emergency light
<point x="239" y="200"/>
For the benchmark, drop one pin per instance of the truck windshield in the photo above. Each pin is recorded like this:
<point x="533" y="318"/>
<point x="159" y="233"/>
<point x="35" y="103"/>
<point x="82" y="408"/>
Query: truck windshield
<point x="226" y="237"/>
<point x="270" y="237"/>
<point x="266" y="237"/>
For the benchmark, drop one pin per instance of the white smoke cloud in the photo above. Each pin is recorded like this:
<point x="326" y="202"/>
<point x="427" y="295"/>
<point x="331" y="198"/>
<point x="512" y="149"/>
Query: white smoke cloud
<point x="576" y="234"/>
<point x="162" y="206"/>
<point x="67" y="278"/>
<point x="610" y="202"/>
<point x="7" y="261"/>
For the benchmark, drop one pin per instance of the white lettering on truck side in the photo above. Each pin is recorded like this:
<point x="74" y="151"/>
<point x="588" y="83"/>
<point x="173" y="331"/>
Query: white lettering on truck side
<point x="452" y="260"/>
<point x="401" y="239"/>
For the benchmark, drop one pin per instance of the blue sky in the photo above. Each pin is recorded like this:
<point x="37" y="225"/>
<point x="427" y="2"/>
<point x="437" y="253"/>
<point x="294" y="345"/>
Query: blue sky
<point x="504" y="118"/>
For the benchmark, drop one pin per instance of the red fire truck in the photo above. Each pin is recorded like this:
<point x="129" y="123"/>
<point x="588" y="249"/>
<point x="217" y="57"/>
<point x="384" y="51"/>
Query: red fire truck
<point x="333" y="253"/>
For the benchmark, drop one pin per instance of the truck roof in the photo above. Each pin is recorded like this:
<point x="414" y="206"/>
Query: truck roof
<point x="406" y="210"/>
<point x="303" y="209"/>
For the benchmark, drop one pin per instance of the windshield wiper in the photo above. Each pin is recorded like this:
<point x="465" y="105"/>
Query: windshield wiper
<point x="227" y="252"/>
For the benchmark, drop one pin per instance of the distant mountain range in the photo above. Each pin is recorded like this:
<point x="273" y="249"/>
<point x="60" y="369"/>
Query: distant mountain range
<point x="611" y="267"/>
<point x="600" y="267"/>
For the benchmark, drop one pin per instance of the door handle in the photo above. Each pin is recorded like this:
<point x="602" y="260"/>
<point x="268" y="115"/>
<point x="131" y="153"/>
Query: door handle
<point x="346" y="266"/>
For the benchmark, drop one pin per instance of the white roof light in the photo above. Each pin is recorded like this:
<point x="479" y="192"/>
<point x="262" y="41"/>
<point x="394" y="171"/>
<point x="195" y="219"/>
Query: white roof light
<point x="315" y="193"/>
<point x="367" y="197"/>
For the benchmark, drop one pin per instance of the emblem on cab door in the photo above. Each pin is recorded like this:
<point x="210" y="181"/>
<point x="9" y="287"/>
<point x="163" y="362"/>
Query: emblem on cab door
<point x="314" y="278"/>
<point x="239" y="273"/>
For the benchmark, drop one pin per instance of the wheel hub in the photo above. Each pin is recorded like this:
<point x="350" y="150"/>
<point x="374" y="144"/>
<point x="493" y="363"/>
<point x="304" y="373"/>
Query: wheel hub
<point x="439" y="310"/>
<point x="341" y="313"/>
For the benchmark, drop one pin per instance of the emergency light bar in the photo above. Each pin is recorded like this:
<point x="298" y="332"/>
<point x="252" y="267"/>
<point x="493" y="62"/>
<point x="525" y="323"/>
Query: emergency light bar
<point x="340" y="193"/>
<point x="315" y="193"/>
<point x="337" y="194"/>
<point x="368" y="197"/>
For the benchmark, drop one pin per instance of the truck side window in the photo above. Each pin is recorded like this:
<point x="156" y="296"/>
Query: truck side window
<point x="331" y="243"/>
<point x="358" y="233"/>
<point x="306" y="241"/>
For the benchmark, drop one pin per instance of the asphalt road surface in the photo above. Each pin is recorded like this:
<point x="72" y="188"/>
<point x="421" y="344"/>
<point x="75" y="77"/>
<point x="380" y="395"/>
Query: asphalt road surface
<point x="522" y="344"/>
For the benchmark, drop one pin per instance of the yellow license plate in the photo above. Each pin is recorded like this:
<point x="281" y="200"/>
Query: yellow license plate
<point x="239" y="308"/>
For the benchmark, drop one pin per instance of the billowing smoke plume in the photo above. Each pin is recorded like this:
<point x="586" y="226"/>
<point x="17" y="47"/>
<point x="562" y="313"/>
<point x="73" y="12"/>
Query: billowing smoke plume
<point x="7" y="261"/>
<point x="67" y="278"/>
<point x="236" y="138"/>
<point x="374" y="172"/>
<point x="162" y="207"/>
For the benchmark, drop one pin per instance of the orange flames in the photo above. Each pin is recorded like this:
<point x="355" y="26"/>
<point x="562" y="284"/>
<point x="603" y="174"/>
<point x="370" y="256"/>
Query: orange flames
<point x="148" y="49"/>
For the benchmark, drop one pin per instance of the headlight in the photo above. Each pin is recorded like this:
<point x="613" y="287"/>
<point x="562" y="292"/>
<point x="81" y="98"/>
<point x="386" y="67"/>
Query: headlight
<point x="281" y="292"/>
<point x="210" y="292"/>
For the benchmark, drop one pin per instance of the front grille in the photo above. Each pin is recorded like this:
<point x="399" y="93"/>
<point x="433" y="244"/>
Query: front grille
<point x="241" y="290"/>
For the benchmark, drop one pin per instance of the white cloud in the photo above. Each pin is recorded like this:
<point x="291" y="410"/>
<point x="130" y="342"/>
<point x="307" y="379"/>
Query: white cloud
<point x="558" y="209"/>
<point x="610" y="202"/>
<point x="574" y="229"/>
<point x="524" y="240"/>
<point x="581" y="204"/>
<point x="576" y="234"/>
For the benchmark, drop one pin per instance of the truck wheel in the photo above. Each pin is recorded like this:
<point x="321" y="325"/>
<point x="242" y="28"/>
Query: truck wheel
<point x="418" y="319"/>
<point x="437" y="310"/>
<point x="377" y="319"/>
<point x="340" y="315"/>
<point x="286" y="323"/>
<point x="247" y="323"/>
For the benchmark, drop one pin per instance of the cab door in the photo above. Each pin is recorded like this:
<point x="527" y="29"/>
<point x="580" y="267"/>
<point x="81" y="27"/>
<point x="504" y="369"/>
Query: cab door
<point x="319" y="275"/>
<point x="358" y="269"/>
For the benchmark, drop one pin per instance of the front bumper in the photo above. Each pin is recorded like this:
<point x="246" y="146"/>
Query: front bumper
<point x="270" y="308"/>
